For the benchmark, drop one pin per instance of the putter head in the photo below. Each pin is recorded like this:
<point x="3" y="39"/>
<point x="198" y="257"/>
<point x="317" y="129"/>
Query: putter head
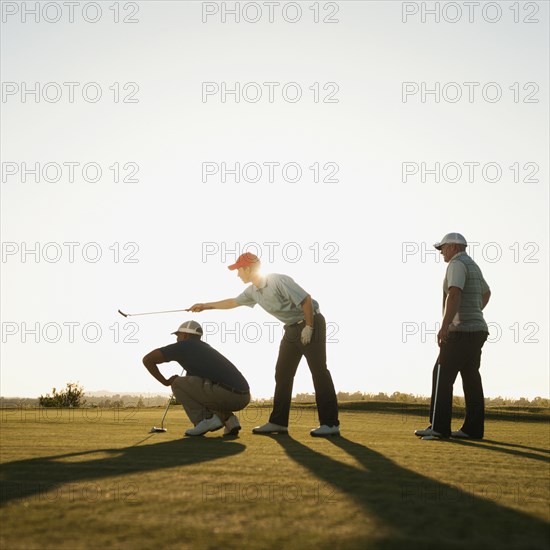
<point x="123" y="314"/>
<point x="154" y="430"/>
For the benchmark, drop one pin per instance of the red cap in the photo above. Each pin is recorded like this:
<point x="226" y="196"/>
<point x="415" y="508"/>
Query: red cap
<point x="243" y="260"/>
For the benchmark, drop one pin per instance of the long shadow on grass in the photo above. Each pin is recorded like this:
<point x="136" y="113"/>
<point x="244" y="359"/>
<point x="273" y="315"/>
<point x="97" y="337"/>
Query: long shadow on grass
<point x="495" y="446"/>
<point x="25" y="478"/>
<point x="514" y="445"/>
<point x="510" y="413"/>
<point x="416" y="509"/>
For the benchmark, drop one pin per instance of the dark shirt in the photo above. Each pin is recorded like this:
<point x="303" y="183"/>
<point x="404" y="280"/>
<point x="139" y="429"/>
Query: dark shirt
<point x="200" y="359"/>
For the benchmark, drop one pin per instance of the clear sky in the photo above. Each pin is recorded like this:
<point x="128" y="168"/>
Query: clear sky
<point x="413" y="126"/>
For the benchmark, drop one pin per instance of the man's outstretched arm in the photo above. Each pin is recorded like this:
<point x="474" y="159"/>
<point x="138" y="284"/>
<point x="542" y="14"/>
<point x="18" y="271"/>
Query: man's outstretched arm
<point x="229" y="303"/>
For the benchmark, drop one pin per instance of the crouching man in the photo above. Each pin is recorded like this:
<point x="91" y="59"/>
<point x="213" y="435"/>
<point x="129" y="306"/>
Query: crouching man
<point x="212" y="389"/>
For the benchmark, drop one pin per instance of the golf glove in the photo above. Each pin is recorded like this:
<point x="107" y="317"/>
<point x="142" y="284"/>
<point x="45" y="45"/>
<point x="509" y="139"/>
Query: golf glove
<point x="307" y="333"/>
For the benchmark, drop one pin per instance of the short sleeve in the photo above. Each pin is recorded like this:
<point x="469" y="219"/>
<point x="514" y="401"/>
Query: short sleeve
<point x="456" y="275"/>
<point x="289" y="289"/>
<point x="246" y="298"/>
<point x="170" y="352"/>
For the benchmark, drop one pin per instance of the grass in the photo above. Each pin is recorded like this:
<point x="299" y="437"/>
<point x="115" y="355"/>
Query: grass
<point x="96" y="478"/>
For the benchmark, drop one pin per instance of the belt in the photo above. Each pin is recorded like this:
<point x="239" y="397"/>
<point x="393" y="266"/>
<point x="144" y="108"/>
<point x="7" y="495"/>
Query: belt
<point x="316" y="312"/>
<point x="232" y="390"/>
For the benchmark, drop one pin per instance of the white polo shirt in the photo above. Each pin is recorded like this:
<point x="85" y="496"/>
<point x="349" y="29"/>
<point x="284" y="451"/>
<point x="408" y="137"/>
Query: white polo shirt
<point x="278" y="295"/>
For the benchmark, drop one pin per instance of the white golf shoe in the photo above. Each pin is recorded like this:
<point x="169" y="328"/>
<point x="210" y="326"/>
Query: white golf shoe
<point x="325" y="431"/>
<point x="232" y="426"/>
<point x="427" y="432"/>
<point x="270" y="428"/>
<point x="206" y="425"/>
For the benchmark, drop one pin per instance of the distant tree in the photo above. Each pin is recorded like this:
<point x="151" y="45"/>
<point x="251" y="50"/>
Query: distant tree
<point x="304" y="398"/>
<point x="522" y="402"/>
<point x="496" y="400"/>
<point x="401" y="397"/>
<point x="540" y="402"/>
<point x="356" y="396"/>
<point x="381" y="397"/>
<point x="71" y="396"/>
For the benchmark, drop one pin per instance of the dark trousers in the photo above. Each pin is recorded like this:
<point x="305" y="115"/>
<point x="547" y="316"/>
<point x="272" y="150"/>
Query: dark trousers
<point x="459" y="352"/>
<point x="291" y="351"/>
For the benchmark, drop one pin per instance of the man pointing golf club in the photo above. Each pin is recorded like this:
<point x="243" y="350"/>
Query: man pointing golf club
<point x="213" y="387"/>
<point x="304" y="335"/>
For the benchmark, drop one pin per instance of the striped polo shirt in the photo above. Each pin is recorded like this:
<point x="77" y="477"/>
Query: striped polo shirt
<point x="465" y="274"/>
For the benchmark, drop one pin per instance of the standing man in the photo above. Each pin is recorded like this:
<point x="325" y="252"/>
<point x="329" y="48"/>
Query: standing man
<point x="213" y="387"/>
<point x="304" y="335"/>
<point x="462" y="335"/>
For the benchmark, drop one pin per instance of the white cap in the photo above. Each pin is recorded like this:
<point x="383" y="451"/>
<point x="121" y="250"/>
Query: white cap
<point x="451" y="238"/>
<point x="189" y="327"/>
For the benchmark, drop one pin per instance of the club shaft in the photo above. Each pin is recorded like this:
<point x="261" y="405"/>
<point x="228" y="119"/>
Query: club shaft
<point x="166" y="412"/>
<point x="152" y="312"/>
<point x="168" y="406"/>
<point x="436" y="390"/>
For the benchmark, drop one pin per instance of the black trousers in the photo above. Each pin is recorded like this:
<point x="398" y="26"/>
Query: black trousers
<point x="291" y="351"/>
<point x="459" y="352"/>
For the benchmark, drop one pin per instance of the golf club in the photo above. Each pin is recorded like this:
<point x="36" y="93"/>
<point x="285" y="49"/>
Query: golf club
<point x="436" y="389"/>
<point x="154" y="429"/>
<point x="150" y="312"/>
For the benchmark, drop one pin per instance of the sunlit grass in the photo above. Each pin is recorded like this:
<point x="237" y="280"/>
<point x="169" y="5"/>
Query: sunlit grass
<point x="89" y="479"/>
